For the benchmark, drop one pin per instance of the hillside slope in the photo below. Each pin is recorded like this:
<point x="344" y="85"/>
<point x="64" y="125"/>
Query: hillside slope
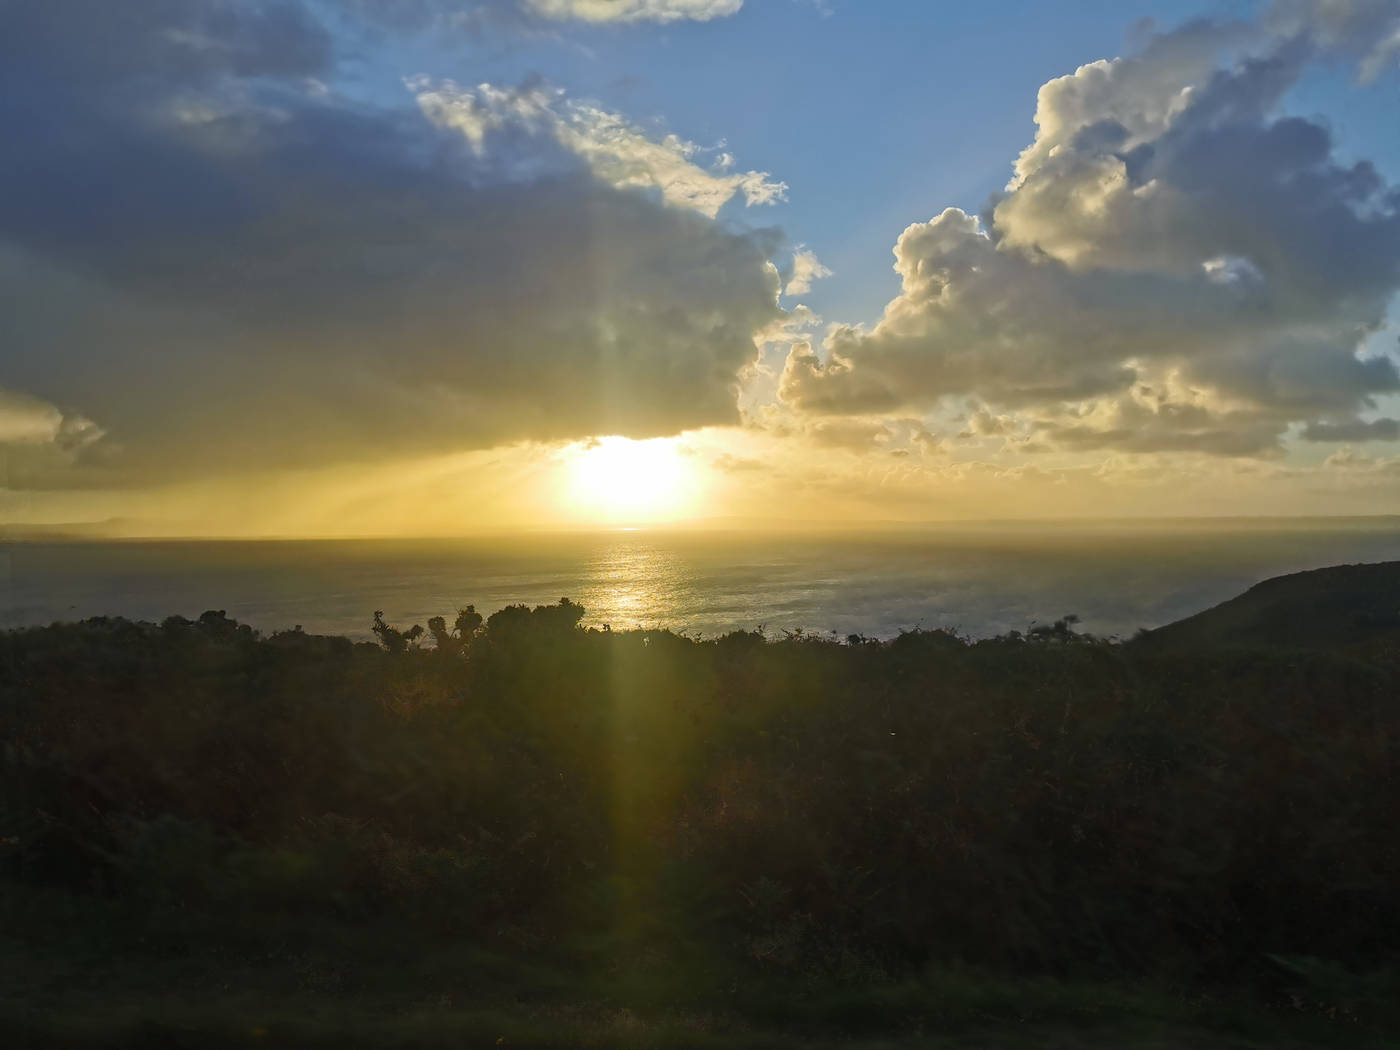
<point x="1340" y="605"/>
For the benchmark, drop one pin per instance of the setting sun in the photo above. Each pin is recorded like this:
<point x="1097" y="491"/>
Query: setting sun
<point x="617" y="478"/>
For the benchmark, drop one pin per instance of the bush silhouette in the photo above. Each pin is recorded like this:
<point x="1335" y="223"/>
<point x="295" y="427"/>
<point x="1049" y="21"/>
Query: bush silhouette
<point x="394" y="640"/>
<point x="800" y="806"/>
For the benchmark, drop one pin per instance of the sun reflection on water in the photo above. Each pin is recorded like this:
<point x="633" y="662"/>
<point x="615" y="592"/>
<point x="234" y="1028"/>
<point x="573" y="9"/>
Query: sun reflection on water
<point x="634" y="583"/>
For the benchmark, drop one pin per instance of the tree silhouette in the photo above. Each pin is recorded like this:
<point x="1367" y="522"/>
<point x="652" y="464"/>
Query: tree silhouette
<point x="392" y="638"/>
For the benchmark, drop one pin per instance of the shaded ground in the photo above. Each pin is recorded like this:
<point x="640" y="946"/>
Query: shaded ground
<point x="286" y="1006"/>
<point x="93" y="980"/>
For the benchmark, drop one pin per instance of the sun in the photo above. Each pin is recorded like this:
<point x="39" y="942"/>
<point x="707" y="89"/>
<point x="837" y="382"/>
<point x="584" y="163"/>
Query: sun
<point x="617" y="479"/>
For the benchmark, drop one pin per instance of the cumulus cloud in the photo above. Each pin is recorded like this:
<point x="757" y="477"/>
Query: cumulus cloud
<point x="1348" y="462"/>
<point x="635" y="10"/>
<point x="506" y="20"/>
<point x="853" y="434"/>
<point x="1175" y="264"/>
<point x="481" y="16"/>
<point x="38" y="439"/>
<point x="981" y="423"/>
<point x="26" y="420"/>
<point x="1354" y="430"/>
<point x="614" y="149"/>
<point x="228" y="271"/>
<point x="1368" y="31"/>
<point x="806" y="268"/>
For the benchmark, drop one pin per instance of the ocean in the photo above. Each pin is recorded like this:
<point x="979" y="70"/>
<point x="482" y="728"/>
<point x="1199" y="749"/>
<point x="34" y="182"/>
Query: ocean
<point x="979" y="580"/>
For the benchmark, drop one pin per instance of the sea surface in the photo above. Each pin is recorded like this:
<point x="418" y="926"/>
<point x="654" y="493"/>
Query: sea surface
<point x="979" y="580"/>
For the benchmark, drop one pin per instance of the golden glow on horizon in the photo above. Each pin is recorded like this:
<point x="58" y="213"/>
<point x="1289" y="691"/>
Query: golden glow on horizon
<point x="617" y="479"/>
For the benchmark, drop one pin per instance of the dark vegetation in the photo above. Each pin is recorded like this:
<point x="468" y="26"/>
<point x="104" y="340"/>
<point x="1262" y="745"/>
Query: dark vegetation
<point x="1344" y="606"/>
<point x="526" y="830"/>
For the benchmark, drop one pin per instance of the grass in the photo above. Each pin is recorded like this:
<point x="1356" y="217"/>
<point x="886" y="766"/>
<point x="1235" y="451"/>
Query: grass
<point x="228" y="1017"/>
<point x="95" y="982"/>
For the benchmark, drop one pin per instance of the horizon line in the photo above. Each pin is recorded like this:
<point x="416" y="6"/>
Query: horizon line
<point x="92" y="531"/>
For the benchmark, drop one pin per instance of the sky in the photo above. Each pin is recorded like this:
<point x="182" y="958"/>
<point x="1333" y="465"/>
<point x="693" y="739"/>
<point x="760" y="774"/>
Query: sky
<point x="362" y="267"/>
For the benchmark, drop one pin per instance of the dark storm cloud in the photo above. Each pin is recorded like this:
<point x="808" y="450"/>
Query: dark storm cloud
<point x="226" y="267"/>
<point x="147" y="45"/>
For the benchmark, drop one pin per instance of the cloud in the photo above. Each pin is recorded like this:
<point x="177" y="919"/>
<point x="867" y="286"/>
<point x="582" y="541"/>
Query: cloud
<point x="185" y="42"/>
<point x="1353" y="430"/>
<point x="635" y="10"/>
<point x="38" y="438"/>
<point x="227" y="271"/>
<point x="1174" y="265"/>
<point x="615" y="150"/>
<point x="26" y="420"/>
<point x="806" y="268"/>
<point x="982" y="423"/>
<point x="1346" y="461"/>
<point x="531" y="17"/>
<point x="731" y="464"/>
<point x="853" y="434"/>
<point x="1141" y="424"/>
<point x="1367" y="31"/>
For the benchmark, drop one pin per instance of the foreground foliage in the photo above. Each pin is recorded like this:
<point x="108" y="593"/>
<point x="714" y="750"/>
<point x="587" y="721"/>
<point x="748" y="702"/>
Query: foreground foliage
<point x="743" y="824"/>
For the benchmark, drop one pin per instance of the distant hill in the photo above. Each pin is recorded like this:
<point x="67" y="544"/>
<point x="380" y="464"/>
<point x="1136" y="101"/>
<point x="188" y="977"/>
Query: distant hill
<point x="1341" y="605"/>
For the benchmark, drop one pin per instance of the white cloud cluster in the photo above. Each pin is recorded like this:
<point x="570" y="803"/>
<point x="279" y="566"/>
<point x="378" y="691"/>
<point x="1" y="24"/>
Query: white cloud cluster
<point x="531" y="16"/>
<point x="1174" y="265"/>
<point x="615" y="150"/>
<point x="634" y="10"/>
<point x="806" y="268"/>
